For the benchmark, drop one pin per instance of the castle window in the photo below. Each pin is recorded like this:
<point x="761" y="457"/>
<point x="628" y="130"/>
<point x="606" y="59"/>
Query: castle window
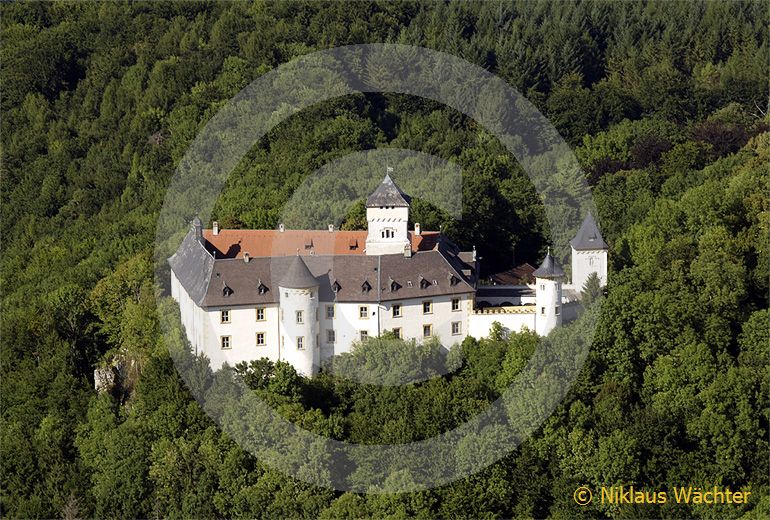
<point x="261" y="288"/>
<point x="226" y="291"/>
<point x="300" y="317"/>
<point x="225" y="342"/>
<point x="364" y="335"/>
<point x="331" y="336"/>
<point x="455" y="304"/>
<point x="427" y="307"/>
<point x="397" y="332"/>
<point x="396" y="310"/>
<point x="366" y="286"/>
<point x="453" y="280"/>
<point x="590" y="260"/>
<point x="557" y="310"/>
<point x="427" y="331"/>
<point x="329" y="312"/>
<point x="424" y="284"/>
<point x="542" y="310"/>
<point x="409" y="283"/>
<point x="394" y="285"/>
<point x="224" y="316"/>
<point x="542" y="287"/>
<point x="300" y="342"/>
<point x="260" y="339"/>
<point x="363" y="311"/>
<point x="336" y="287"/>
<point x="456" y="330"/>
<point x="260" y="314"/>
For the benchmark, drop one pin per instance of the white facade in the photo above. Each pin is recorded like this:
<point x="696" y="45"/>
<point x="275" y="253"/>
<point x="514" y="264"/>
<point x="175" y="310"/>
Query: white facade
<point x="387" y="227"/>
<point x="585" y="262"/>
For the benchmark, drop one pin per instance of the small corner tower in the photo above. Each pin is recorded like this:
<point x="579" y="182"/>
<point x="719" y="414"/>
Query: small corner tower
<point x="387" y="217"/>
<point x="548" y="279"/>
<point x="589" y="254"/>
<point x="298" y="325"/>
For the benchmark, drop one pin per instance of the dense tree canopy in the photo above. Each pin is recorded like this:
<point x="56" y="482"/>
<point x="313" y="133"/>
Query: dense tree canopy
<point x="664" y="104"/>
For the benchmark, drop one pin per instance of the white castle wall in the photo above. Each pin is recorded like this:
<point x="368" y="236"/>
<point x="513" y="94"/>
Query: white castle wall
<point x="242" y="330"/>
<point x="586" y="262"/>
<point x="481" y="321"/>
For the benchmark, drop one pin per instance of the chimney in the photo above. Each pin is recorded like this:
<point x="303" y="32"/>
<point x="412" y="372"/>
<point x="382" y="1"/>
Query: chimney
<point x="246" y="257"/>
<point x="474" y="253"/>
<point x="281" y="228"/>
<point x="417" y="229"/>
<point x="215" y="228"/>
<point x="331" y="228"/>
<point x="197" y="227"/>
<point x="407" y="251"/>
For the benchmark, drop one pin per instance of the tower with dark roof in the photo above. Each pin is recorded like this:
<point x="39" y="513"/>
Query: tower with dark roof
<point x="548" y="295"/>
<point x="387" y="217"/>
<point x="298" y="323"/>
<point x="589" y="253"/>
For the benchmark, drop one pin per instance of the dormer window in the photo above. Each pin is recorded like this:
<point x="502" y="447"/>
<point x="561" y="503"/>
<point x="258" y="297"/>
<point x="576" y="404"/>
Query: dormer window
<point x="336" y="287"/>
<point x="424" y="284"/>
<point x="353" y="244"/>
<point x="226" y="290"/>
<point x="453" y="280"/>
<point x="394" y="285"/>
<point x="261" y="288"/>
<point x="366" y="286"/>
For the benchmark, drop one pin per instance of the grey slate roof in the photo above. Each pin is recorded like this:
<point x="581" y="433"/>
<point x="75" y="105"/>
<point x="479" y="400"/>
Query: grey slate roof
<point x="550" y="268"/>
<point x="388" y="194"/>
<point x="193" y="264"/>
<point x="349" y="271"/>
<point x="298" y="276"/>
<point x="588" y="236"/>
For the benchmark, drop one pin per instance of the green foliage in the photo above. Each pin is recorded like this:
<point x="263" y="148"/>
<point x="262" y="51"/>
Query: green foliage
<point x="100" y="102"/>
<point x="592" y="290"/>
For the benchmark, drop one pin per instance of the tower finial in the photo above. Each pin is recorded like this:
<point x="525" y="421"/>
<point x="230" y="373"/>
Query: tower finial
<point x="549" y="251"/>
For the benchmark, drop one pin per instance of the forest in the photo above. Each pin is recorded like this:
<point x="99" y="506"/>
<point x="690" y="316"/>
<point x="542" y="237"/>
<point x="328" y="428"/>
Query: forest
<point x="665" y="106"/>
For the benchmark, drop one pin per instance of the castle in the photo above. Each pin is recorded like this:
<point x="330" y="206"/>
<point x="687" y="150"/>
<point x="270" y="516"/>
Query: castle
<point x="303" y="296"/>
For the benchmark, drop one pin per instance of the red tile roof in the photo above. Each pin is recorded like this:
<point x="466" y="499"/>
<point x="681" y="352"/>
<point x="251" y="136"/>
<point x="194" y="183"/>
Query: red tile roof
<point x="232" y="243"/>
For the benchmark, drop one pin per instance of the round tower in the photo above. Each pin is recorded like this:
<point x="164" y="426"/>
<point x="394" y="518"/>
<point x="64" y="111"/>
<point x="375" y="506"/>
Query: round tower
<point x="548" y="280"/>
<point x="298" y="324"/>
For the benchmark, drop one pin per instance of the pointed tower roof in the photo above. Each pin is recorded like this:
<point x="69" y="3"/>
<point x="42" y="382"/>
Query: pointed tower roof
<point x="588" y="236"/>
<point x="298" y="276"/>
<point x="550" y="268"/>
<point x="388" y="194"/>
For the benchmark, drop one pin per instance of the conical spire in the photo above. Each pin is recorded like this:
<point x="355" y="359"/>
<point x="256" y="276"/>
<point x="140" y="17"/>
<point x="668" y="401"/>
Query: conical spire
<point x="388" y="194"/>
<point x="298" y="276"/>
<point x="588" y="236"/>
<point x="550" y="268"/>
